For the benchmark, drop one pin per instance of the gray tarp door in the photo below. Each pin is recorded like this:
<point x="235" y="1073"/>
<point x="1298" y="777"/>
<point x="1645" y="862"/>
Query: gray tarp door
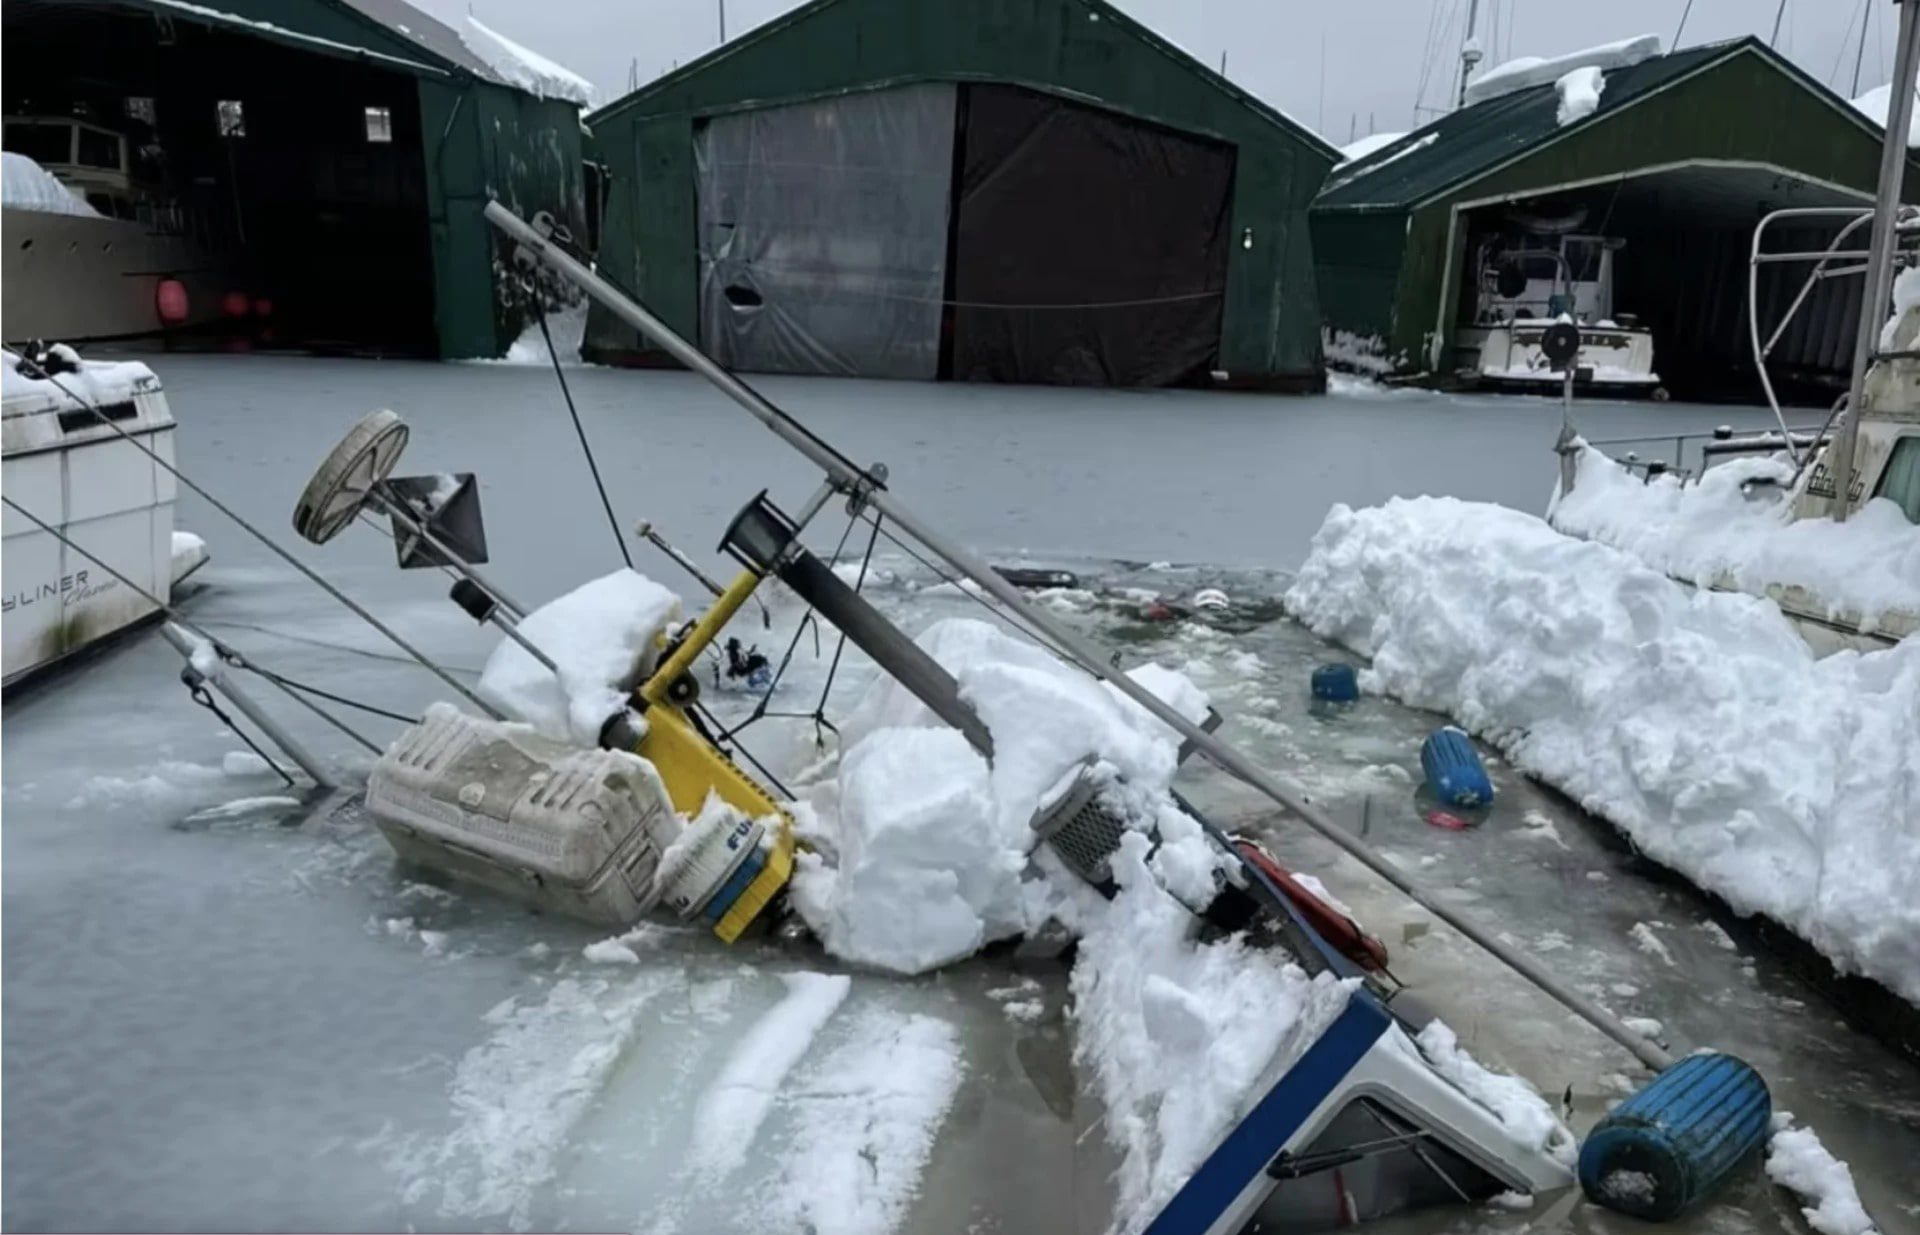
<point x="823" y="233"/>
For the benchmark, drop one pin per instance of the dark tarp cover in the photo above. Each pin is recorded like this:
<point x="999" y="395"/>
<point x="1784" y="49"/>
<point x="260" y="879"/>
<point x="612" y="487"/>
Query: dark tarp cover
<point x="1062" y="205"/>
<point x="823" y="233"/>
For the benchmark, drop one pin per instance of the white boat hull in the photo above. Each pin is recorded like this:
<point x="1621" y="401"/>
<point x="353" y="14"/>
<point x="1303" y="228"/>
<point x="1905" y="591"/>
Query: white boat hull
<point x="73" y="278"/>
<point x="104" y="494"/>
<point x="1619" y="358"/>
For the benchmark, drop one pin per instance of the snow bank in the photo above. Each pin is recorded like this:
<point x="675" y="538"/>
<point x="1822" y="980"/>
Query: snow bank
<point x="25" y="185"/>
<point x="1579" y="93"/>
<point x="1798" y="1162"/>
<point x="1697" y="722"/>
<point x="601" y="635"/>
<point x="1876" y="103"/>
<point x="1712" y="533"/>
<point x="523" y="67"/>
<point x="922" y="861"/>
<point x="1176" y="1033"/>
<point x="1367" y="145"/>
<point x="1528" y="71"/>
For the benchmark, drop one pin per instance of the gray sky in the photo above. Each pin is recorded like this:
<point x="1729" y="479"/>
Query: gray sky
<point x="1376" y="51"/>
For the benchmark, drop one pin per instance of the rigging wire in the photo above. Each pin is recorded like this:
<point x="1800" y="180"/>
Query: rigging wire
<point x="317" y="579"/>
<point x="626" y="555"/>
<point x="198" y="692"/>
<point x="227" y="654"/>
<point x="1681" y="28"/>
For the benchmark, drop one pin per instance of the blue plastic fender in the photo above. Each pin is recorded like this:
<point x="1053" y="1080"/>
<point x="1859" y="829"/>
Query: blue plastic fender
<point x="1670" y="1146"/>
<point x="1454" y="769"/>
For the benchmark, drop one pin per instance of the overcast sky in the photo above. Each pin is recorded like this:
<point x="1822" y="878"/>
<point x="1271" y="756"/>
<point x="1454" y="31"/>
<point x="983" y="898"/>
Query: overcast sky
<point x="1376" y="53"/>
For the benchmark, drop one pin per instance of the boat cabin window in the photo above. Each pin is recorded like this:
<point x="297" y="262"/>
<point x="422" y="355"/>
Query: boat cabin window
<point x="379" y="124"/>
<point x="231" y="117"/>
<point x="1367" y="1163"/>
<point x="1900" y="483"/>
<point x="43" y="143"/>
<point x="99" y="149"/>
<point x="140" y="107"/>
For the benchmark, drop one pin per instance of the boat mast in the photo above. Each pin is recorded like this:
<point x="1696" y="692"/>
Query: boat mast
<point x="1873" y="310"/>
<point x="1469" y="53"/>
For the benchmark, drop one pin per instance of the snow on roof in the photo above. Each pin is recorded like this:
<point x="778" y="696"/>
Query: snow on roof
<point x="1579" y="93"/>
<point x="1527" y="71"/>
<point x="525" y="68"/>
<point x="1348" y="172"/>
<point x="1367" y="145"/>
<point x="25" y="185"/>
<point x="1875" y="104"/>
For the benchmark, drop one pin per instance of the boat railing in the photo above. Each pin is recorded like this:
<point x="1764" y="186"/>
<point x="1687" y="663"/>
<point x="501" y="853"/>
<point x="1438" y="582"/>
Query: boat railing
<point x="1718" y="442"/>
<point x="1853" y="261"/>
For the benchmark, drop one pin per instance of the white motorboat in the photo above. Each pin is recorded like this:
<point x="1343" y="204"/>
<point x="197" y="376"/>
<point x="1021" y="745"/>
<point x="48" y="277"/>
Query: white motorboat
<point x="1526" y="286"/>
<point x="96" y="249"/>
<point x="65" y="466"/>
<point x="1881" y="445"/>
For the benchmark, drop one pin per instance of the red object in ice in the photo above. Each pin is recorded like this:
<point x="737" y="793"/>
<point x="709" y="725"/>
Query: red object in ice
<point x="1335" y="927"/>
<point x="1448" y="820"/>
<point x="234" y="304"/>
<point x="262" y="307"/>
<point x="170" y="301"/>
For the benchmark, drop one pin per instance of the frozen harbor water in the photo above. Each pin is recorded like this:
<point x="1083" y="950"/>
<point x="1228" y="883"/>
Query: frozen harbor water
<point x="217" y="1019"/>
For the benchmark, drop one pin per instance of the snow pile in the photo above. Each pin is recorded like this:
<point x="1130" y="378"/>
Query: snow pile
<point x="1876" y="103"/>
<point x="25" y="185"/>
<point x="1345" y="350"/>
<point x="1525" y="72"/>
<point x="1367" y="145"/>
<point x="922" y="859"/>
<point x="1347" y="172"/>
<point x="95" y="382"/>
<point x="1712" y="532"/>
<point x="1579" y="94"/>
<point x="1517" y="1105"/>
<point x="601" y="635"/>
<point x="567" y="325"/>
<point x="1697" y="722"/>
<point x="1178" y="1034"/>
<point x="1798" y="1162"/>
<point x="522" y="67"/>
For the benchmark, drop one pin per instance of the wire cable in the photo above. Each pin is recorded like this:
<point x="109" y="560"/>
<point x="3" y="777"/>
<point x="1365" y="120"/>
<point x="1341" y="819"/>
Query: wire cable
<point x="167" y="607"/>
<point x="593" y="466"/>
<point x="358" y="609"/>
<point x="197" y="690"/>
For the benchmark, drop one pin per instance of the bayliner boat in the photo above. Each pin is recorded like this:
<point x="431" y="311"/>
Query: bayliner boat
<point x="73" y="434"/>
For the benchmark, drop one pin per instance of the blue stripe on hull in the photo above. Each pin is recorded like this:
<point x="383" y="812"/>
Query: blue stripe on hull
<point x="1254" y="1141"/>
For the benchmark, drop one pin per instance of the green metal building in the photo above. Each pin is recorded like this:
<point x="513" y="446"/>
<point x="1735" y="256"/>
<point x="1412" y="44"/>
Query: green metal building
<point x="337" y="153"/>
<point x="1682" y="156"/>
<point x="1011" y="190"/>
